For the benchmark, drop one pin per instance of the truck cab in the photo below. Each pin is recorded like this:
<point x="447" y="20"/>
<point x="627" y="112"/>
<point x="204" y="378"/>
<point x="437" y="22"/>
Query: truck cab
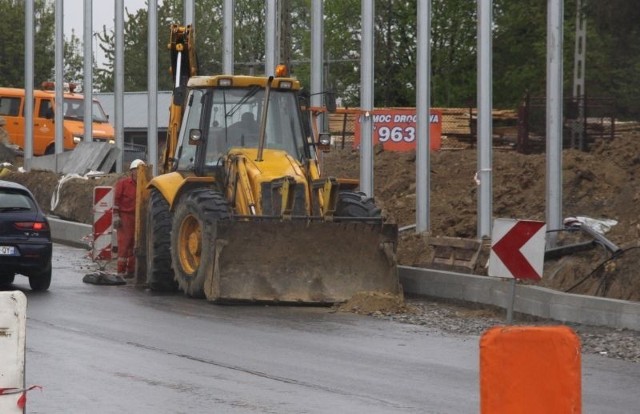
<point x="12" y="105"/>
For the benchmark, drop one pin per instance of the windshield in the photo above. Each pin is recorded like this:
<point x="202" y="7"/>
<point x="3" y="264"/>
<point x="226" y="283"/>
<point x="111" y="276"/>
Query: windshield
<point x="232" y="119"/>
<point x="73" y="108"/>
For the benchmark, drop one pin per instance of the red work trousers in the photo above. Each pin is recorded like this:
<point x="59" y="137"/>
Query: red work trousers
<point x="126" y="258"/>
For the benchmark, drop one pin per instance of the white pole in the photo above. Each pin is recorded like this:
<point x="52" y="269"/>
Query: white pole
<point x="152" y="82"/>
<point x="270" y="38"/>
<point x="227" y="57"/>
<point x="317" y="49"/>
<point x="87" y="89"/>
<point x="485" y="118"/>
<point x="59" y="79"/>
<point x="118" y="87"/>
<point x="366" y="99"/>
<point x="423" y="98"/>
<point x="28" y="84"/>
<point x="554" y="116"/>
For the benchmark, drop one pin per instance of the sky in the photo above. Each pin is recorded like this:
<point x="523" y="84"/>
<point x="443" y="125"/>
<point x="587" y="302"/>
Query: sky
<point x="103" y="12"/>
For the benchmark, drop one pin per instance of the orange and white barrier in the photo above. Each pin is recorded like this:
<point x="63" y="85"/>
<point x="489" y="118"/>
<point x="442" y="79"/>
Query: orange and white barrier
<point x="102" y="223"/>
<point x="530" y="369"/>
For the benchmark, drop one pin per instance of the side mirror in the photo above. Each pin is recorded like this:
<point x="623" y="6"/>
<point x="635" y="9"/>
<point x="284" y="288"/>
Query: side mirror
<point x="330" y="101"/>
<point x="303" y="100"/>
<point x="324" y="142"/>
<point x="195" y="136"/>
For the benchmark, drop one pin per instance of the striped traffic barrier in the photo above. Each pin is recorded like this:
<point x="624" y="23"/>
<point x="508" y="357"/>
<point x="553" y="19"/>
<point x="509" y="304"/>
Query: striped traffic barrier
<point x="102" y="223"/>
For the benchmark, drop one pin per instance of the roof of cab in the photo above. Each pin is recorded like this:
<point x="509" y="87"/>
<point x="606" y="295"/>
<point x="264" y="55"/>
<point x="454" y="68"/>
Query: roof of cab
<point x="243" y="81"/>
<point x="38" y="93"/>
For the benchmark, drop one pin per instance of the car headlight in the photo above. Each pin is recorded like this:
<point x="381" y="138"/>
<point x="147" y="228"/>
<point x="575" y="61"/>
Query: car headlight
<point x="77" y="139"/>
<point x="112" y="141"/>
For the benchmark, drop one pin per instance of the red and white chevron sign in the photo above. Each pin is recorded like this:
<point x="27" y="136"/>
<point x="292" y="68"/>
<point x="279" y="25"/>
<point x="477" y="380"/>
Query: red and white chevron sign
<point x="102" y="222"/>
<point x="517" y="249"/>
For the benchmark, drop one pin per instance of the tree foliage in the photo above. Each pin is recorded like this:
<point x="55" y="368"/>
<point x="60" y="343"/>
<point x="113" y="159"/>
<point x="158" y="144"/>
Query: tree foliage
<point x="73" y="60"/>
<point x="519" y="48"/>
<point x="12" y="48"/>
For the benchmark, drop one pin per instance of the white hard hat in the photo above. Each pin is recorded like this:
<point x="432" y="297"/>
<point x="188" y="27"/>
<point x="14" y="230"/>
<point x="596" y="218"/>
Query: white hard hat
<point x="135" y="163"/>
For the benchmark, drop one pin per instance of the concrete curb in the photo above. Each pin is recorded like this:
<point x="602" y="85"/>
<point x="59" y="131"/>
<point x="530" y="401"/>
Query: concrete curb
<point x="70" y="233"/>
<point x="530" y="300"/>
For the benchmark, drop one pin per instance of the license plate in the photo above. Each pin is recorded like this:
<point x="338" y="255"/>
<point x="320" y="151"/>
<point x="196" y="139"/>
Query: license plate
<point x="7" y="250"/>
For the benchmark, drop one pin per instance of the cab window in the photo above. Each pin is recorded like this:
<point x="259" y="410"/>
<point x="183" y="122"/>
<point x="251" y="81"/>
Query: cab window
<point x="9" y="106"/>
<point x="187" y="155"/>
<point x="46" y="109"/>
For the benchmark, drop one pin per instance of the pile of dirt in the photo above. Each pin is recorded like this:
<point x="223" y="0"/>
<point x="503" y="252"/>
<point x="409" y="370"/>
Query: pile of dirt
<point x="370" y="303"/>
<point x="602" y="183"/>
<point x="67" y="197"/>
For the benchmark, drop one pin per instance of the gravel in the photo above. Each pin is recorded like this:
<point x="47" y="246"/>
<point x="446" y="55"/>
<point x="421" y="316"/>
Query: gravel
<point x="465" y="319"/>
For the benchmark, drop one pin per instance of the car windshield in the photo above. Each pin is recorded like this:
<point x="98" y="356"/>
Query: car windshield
<point x="73" y="108"/>
<point x="232" y="119"/>
<point x="11" y="200"/>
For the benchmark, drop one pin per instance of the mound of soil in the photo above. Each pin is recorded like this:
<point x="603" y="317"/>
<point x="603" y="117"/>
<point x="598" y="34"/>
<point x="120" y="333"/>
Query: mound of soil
<point x="600" y="184"/>
<point x="370" y="303"/>
<point x="69" y="198"/>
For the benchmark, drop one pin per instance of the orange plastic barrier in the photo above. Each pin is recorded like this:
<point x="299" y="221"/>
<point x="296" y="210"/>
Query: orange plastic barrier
<point x="530" y="369"/>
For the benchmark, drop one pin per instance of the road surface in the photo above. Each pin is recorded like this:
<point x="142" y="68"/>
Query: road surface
<point x="119" y="349"/>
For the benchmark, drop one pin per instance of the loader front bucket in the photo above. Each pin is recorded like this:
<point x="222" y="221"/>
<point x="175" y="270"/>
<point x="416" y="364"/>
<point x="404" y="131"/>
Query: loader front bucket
<point x="301" y="262"/>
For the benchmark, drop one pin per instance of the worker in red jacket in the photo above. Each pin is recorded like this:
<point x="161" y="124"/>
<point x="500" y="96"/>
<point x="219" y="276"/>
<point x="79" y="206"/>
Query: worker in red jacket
<point x="124" y="216"/>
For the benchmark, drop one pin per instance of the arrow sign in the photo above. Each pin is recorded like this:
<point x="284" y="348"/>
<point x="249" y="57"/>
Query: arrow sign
<point x="518" y="249"/>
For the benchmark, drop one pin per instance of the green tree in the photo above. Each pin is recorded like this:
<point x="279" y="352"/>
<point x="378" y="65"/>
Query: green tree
<point x="342" y="49"/>
<point x="73" y="61"/>
<point x="12" y="47"/>
<point x="519" y="48"/>
<point x="613" y="54"/>
<point x="248" y="32"/>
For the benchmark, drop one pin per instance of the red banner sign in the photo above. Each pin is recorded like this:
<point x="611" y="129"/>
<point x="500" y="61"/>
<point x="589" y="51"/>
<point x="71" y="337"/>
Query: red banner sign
<point x="396" y="129"/>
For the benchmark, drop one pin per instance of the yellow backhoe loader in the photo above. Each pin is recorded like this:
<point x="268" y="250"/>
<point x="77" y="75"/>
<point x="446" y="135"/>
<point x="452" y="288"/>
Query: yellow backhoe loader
<point x="240" y="211"/>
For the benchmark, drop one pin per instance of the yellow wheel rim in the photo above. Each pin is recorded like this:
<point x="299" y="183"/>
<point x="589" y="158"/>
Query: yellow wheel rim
<point x="190" y="244"/>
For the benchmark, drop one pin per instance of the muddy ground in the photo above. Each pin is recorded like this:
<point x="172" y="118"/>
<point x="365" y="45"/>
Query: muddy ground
<point x="600" y="184"/>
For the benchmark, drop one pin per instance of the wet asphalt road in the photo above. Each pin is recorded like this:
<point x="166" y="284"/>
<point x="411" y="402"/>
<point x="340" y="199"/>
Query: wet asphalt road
<point x="118" y="349"/>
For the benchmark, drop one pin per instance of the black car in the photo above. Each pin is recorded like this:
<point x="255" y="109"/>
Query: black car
<point x="25" y="237"/>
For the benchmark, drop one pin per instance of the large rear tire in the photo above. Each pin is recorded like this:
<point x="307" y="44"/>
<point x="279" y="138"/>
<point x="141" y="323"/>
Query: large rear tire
<point x="158" y="244"/>
<point x="193" y="236"/>
<point x="356" y="204"/>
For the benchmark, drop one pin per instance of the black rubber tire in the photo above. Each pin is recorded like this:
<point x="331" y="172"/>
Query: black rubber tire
<point x="7" y="278"/>
<point x="51" y="149"/>
<point x="196" y="215"/>
<point x="41" y="281"/>
<point x="160" y="275"/>
<point x="356" y="204"/>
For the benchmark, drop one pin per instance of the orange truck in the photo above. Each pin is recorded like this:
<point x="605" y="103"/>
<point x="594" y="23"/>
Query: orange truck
<point x="12" y="110"/>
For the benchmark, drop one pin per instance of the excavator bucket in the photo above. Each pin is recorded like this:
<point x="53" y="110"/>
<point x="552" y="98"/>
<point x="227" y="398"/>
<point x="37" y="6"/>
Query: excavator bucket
<point x="301" y="262"/>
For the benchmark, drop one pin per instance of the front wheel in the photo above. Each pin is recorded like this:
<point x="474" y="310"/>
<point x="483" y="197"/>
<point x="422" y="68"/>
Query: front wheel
<point x="193" y="236"/>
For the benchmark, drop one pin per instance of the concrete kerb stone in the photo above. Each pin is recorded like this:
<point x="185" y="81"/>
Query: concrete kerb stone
<point x="70" y="233"/>
<point x="530" y="300"/>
